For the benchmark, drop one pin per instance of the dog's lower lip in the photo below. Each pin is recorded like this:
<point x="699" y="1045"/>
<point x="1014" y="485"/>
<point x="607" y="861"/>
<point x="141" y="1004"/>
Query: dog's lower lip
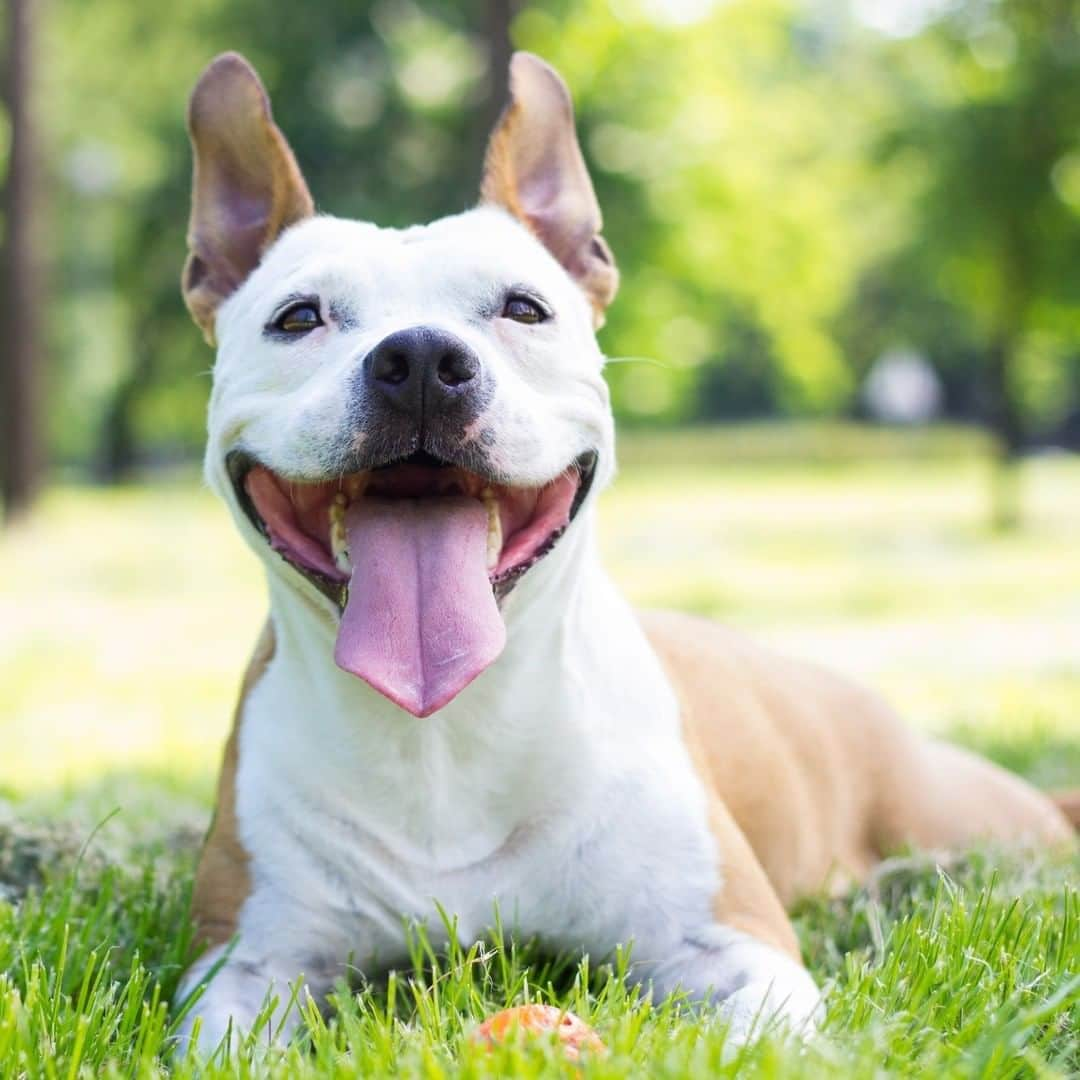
<point x="418" y="476"/>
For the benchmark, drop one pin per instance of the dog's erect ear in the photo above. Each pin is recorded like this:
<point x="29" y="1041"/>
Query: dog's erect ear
<point x="247" y="187"/>
<point x="534" y="169"/>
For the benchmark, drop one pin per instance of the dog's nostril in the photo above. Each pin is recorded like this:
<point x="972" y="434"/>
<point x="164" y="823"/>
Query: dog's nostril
<point x="391" y="367"/>
<point x="456" y="368"/>
<point x="423" y="369"/>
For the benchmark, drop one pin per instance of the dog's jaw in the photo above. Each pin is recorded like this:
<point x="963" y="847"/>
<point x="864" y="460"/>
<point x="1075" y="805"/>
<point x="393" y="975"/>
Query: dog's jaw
<point x="368" y="608"/>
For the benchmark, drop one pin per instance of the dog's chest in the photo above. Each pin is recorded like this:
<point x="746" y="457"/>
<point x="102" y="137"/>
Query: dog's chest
<point x="584" y="835"/>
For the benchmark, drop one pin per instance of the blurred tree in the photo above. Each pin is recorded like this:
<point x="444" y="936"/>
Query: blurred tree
<point x="742" y="382"/>
<point x="726" y="144"/>
<point x="20" y="354"/>
<point x="497" y="28"/>
<point x="988" y="116"/>
<point x="772" y="243"/>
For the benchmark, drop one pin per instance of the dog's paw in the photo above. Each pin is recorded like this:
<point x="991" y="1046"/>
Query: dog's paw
<point x="753" y="986"/>
<point x="221" y="1030"/>
<point x="784" y="1004"/>
<point x="207" y="1034"/>
<point x="241" y="1008"/>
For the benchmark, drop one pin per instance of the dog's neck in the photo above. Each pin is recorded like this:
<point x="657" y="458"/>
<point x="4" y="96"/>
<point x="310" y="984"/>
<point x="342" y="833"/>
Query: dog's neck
<point x="537" y="711"/>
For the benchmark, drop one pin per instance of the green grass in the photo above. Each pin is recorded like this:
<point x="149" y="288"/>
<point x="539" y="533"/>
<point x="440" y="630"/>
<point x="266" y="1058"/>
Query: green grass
<point x="125" y="617"/>
<point x="965" y="972"/>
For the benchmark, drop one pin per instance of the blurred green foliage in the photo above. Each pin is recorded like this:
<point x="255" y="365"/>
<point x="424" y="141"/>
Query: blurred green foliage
<point x="791" y="187"/>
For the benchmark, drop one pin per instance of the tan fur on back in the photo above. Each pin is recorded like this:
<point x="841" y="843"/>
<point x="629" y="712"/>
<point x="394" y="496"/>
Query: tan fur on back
<point x="819" y="775"/>
<point x="222" y="882"/>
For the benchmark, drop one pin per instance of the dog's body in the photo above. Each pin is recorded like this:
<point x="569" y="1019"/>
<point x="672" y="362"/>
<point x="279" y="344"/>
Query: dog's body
<point x="598" y="778"/>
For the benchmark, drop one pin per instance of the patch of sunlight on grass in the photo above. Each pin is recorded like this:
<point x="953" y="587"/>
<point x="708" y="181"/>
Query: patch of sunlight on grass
<point x="125" y="619"/>
<point x="877" y="540"/>
<point x="126" y="615"/>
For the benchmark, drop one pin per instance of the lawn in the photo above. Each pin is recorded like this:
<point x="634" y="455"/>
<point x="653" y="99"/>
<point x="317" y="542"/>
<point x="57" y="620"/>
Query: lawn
<point x="125" y="618"/>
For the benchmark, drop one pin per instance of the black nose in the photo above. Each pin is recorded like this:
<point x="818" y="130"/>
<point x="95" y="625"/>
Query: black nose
<point x="423" y="371"/>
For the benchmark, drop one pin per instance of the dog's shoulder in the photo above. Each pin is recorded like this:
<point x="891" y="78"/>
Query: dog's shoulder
<point x="261" y="655"/>
<point x="222" y="882"/>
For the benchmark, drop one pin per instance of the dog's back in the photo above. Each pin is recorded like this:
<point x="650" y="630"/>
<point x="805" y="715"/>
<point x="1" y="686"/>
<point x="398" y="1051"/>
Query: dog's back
<point x="820" y="775"/>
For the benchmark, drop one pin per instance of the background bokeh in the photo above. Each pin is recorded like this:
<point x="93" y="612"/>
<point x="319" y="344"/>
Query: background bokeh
<point x="793" y="188"/>
<point x="845" y="355"/>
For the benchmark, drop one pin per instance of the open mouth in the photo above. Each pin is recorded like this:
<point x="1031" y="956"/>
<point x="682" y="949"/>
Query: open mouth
<point x="417" y="554"/>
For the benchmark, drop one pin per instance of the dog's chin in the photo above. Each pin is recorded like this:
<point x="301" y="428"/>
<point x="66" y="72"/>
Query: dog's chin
<point x="303" y="519"/>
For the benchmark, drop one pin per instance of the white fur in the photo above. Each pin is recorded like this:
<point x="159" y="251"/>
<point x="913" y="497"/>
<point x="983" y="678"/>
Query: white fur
<point x="557" y="786"/>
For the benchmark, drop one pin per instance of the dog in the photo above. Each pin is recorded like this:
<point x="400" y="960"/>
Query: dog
<point x="451" y="704"/>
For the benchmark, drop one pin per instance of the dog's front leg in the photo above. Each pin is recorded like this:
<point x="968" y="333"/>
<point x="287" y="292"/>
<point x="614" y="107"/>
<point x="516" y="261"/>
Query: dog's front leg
<point x="747" y="959"/>
<point x="241" y="989"/>
<point x="264" y="978"/>
<point x="755" y="985"/>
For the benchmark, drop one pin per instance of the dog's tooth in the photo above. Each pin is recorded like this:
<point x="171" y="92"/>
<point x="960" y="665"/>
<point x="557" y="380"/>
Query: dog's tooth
<point x="356" y="486"/>
<point x="339" y="545"/>
<point x="494" y="532"/>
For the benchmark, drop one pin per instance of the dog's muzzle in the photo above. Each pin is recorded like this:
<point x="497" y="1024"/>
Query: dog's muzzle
<point x="419" y="389"/>
<point x="427" y="375"/>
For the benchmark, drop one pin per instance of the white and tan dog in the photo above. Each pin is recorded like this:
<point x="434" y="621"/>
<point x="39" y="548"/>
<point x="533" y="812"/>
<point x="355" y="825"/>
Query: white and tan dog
<point x="451" y="704"/>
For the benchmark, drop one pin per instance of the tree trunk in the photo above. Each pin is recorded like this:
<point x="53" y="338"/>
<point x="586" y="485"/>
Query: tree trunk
<point x="500" y="14"/>
<point x="20" y="353"/>
<point x="1006" y="423"/>
<point x="497" y="15"/>
<point x="117" y="442"/>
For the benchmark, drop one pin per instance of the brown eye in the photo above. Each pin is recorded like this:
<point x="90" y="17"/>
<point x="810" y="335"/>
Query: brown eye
<point x="523" y="310"/>
<point x="298" y="319"/>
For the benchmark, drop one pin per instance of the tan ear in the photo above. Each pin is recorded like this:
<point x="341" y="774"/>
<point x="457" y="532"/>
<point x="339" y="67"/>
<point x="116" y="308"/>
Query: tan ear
<point x="246" y="189"/>
<point x="534" y="169"/>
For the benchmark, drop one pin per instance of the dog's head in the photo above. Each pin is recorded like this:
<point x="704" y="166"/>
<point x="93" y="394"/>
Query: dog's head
<point x="404" y="421"/>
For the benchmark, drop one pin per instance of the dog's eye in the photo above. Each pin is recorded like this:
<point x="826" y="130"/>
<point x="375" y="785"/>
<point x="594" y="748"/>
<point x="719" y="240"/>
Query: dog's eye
<point x="298" y="319"/>
<point x="522" y="309"/>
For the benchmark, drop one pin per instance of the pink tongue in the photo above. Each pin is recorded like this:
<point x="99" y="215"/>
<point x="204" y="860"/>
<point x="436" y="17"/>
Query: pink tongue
<point x="421" y="621"/>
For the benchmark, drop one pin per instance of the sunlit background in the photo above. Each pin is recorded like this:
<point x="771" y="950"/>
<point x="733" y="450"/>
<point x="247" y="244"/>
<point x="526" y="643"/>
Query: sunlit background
<point x="845" y="354"/>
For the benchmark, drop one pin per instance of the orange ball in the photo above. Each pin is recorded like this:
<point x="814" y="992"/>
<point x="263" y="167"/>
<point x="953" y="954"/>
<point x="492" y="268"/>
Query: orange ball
<point x="572" y="1032"/>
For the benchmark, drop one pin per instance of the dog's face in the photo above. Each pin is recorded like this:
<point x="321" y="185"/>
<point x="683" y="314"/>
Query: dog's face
<point x="404" y="420"/>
